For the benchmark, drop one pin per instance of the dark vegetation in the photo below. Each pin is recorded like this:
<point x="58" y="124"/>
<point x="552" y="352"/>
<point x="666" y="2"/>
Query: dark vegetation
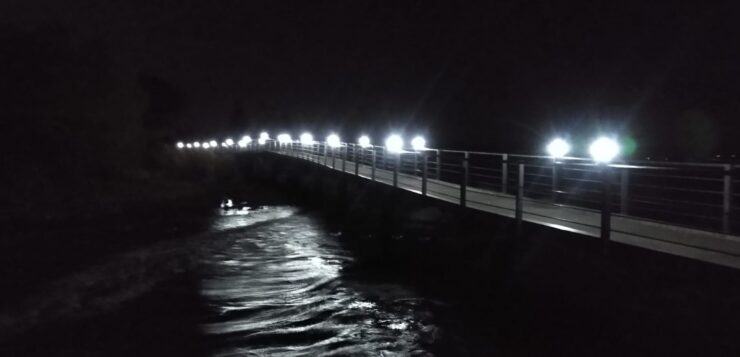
<point x="82" y="134"/>
<point x="86" y="158"/>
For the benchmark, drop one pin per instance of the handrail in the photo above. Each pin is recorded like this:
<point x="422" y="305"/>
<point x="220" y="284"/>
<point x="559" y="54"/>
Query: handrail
<point x="578" y="181"/>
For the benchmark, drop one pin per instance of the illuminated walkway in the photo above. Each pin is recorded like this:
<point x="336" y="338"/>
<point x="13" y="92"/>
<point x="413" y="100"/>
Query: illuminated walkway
<point x="691" y="243"/>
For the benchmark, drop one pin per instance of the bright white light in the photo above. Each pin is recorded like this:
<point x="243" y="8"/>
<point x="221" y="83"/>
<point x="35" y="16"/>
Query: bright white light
<point x="224" y="144"/>
<point x="189" y="145"/>
<point x="180" y="145"/>
<point x="284" y="138"/>
<point x="261" y="141"/>
<point x="206" y="145"/>
<point x="333" y="141"/>
<point x="196" y="144"/>
<point x="244" y="141"/>
<point x="306" y="139"/>
<point x="401" y="325"/>
<point x="604" y="150"/>
<point x="418" y="143"/>
<point x="213" y="143"/>
<point x="229" y="142"/>
<point x="264" y="135"/>
<point x="394" y="143"/>
<point x="558" y="148"/>
<point x="364" y="141"/>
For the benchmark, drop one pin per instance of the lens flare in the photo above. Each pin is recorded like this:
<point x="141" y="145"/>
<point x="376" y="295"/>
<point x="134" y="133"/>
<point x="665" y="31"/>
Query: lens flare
<point x="604" y="150"/>
<point x="333" y="141"/>
<point x="394" y="143"/>
<point x="558" y="148"/>
<point x="364" y="141"/>
<point x="418" y="143"/>
<point x="306" y="139"/>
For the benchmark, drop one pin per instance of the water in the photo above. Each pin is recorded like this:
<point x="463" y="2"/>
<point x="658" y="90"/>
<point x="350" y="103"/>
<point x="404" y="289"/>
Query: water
<point x="278" y="281"/>
<point x="270" y="281"/>
<point x="279" y="288"/>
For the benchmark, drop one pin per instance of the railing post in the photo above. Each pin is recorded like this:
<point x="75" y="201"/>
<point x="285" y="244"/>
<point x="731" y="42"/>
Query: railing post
<point x="372" y="172"/>
<point x="357" y="163"/>
<point x="424" y="173"/>
<point x="326" y="155"/>
<point x="416" y="162"/>
<point x="333" y="158"/>
<point x="344" y="157"/>
<point x="726" y="198"/>
<point x="395" y="169"/>
<point x="555" y="183"/>
<point x="505" y="173"/>
<point x="624" y="191"/>
<point x="606" y="209"/>
<point x="464" y="181"/>
<point x="519" y="209"/>
<point x="439" y="166"/>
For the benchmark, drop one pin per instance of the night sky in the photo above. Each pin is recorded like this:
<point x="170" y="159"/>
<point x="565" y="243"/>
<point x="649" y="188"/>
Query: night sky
<point x="506" y="76"/>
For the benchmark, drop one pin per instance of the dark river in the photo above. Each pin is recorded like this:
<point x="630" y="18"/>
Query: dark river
<point x="270" y="281"/>
<point x="280" y="281"/>
<point x="274" y="283"/>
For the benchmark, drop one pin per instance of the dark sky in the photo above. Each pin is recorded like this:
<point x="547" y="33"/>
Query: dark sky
<point x="504" y="76"/>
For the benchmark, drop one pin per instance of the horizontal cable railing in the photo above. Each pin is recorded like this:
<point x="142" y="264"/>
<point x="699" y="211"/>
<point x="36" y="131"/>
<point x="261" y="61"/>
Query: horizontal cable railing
<point x="694" y="195"/>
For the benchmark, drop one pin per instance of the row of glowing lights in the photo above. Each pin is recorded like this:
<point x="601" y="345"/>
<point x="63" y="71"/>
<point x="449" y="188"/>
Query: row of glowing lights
<point x="602" y="150"/>
<point x="393" y="143"/>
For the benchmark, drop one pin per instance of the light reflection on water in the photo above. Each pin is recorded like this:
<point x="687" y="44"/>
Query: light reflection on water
<point x="278" y="288"/>
<point x="273" y="282"/>
<point x="240" y="218"/>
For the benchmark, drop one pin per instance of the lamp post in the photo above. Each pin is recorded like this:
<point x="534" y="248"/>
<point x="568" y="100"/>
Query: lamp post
<point x="603" y="150"/>
<point x="557" y="149"/>
<point x="333" y="142"/>
<point x="394" y="145"/>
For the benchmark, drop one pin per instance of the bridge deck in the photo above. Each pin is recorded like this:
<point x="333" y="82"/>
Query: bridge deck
<point x="691" y="243"/>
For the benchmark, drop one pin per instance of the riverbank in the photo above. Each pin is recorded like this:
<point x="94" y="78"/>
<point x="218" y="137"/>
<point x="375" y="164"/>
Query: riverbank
<point x="44" y="243"/>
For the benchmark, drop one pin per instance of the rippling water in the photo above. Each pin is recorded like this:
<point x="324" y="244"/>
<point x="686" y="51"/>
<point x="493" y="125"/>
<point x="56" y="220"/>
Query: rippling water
<point x="278" y="288"/>
<point x="273" y="281"/>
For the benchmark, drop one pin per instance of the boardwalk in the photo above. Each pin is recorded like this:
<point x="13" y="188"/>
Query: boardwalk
<point x="722" y="249"/>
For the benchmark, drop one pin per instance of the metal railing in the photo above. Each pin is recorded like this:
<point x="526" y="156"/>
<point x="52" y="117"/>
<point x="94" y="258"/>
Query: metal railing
<point x="692" y="195"/>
